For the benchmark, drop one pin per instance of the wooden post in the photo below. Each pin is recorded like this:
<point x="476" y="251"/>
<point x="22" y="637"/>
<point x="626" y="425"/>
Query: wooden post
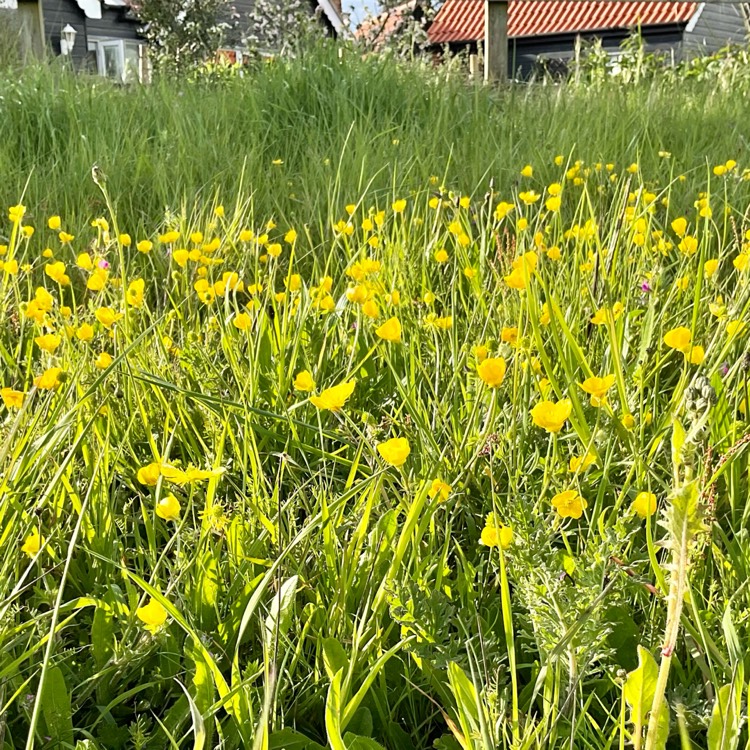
<point x="473" y="67"/>
<point x="496" y="40"/>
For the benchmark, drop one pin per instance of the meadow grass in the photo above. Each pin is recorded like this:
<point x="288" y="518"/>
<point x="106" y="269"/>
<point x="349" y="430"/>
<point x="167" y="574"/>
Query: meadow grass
<point x="432" y="434"/>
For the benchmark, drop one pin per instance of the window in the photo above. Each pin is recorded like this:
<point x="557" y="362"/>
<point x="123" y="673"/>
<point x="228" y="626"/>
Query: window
<point x="119" y="59"/>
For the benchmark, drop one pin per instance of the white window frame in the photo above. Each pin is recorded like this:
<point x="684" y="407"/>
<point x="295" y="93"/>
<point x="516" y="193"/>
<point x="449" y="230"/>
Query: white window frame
<point x="99" y="44"/>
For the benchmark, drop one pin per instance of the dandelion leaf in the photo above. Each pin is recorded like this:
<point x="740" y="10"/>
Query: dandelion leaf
<point x="640" y="686"/>
<point x="55" y="706"/>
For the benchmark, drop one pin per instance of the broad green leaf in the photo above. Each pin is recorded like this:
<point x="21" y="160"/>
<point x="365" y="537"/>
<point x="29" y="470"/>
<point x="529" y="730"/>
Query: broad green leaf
<point x="280" y="617"/>
<point x="361" y="723"/>
<point x="102" y="636"/>
<point x="334" y="657"/>
<point x="55" y="706"/>
<point x="640" y="686"/>
<point x="357" y="742"/>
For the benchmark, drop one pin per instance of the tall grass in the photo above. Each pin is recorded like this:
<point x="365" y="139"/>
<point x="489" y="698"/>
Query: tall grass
<point x="340" y="127"/>
<point x="305" y="587"/>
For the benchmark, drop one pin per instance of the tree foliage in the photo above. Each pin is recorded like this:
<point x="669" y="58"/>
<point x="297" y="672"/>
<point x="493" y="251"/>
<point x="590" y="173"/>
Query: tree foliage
<point x="183" y="34"/>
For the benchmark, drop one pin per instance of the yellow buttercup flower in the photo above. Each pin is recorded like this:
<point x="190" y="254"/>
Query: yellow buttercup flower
<point x="390" y="331"/>
<point x="678" y="338"/>
<point x="149" y="474"/>
<point x="48" y="342"/>
<point x="168" y="508"/>
<point x="644" y="504"/>
<point x="551" y="415"/>
<point x="12" y="398"/>
<point x="170" y="237"/>
<point x="735" y="327"/>
<point x="394" y="451"/>
<point x="33" y="543"/>
<point x="303" y="381"/>
<point x="107" y="316"/>
<point x="628" y="421"/>
<point x="492" y="371"/>
<point x="332" y="399"/>
<point x="679" y="226"/>
<point x="695" y="355"/>
<point x="496" y="534"/>
<point x="581" y="463"/>
<point x="84" y="261"/>
<point x="439" y="488"/>
<point x="688" y="245"/>
<point x="481" y="352"/>
<point x="569" y="504"/>
<point x="152" y="615"/>
<point x="85" y="332"/>
<point x="56" y="271"/>
<point x="242" y="322"/>
<point x="134" y="294"/>
<point x="49" y="379"/>
<point x="597" y="388"/>
<point x="103" y="361"/>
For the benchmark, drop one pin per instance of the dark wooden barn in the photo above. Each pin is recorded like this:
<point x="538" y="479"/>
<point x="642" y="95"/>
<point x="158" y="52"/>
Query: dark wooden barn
<point x="546" y="33"/>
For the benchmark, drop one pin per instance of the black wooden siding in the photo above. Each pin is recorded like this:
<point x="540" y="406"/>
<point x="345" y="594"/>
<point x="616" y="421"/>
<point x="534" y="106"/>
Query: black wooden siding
<point x="527" y="54"/>
<point x="715" y="27"/>
<point x="114" y="23"/>
<point x="57" y="14"/>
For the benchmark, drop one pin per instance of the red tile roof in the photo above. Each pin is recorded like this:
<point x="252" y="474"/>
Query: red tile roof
<point x="463" y="20"/>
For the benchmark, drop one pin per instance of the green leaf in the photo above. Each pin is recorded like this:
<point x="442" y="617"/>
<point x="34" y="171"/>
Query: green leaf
<point x="724" y="728"/>
<point x="55" y="707"/>
<point x="466" y="701"/>
<point x="280" y="617"/>
<point x="288" y="739"/>
<point x="662" y="728"/>
<point x="357" y="742"/>
<point x="334" y="657"/>
<point x="199" y="728"/>
<point x="102" y="636"/>
<point x="333" y="713"/>
<point x="640" y="686"/>
<point x="361" y="723"/>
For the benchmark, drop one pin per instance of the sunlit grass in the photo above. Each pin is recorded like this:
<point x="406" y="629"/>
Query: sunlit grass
<point x="419" y="448"/>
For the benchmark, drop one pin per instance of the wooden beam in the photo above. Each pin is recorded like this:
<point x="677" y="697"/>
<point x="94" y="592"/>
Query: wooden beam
<point x="496" y="40"/>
